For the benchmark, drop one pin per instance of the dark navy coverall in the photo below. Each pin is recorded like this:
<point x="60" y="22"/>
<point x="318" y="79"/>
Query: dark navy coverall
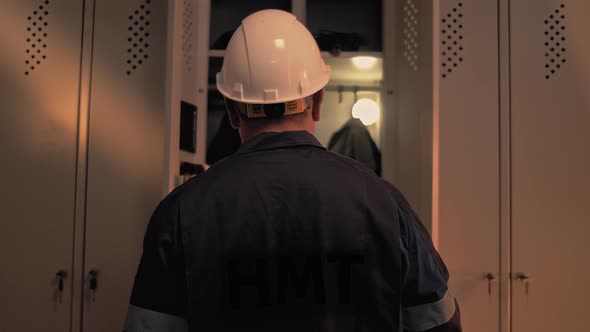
<point x="287" y="236"/>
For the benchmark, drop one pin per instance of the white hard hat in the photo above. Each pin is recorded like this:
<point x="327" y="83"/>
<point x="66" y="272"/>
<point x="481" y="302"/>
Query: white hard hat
<point x="272" y="58"/>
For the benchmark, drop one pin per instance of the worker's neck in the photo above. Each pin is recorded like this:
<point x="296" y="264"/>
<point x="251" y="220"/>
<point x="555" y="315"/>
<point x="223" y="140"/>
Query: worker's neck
<point x="247" y="132"/>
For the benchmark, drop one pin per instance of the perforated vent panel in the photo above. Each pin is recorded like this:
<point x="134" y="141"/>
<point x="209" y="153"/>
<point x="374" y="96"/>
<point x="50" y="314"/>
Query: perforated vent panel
<point x="139" y="36"/>
<point x="555" y="50"/>
<point x="452" y="40"/>
<point x="187" y="35"/>
<point x="411" y="34"/>
<point x="37" y="26"/>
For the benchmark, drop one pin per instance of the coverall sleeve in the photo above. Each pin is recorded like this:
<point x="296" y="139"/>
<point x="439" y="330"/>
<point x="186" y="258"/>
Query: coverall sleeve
<point x="158" y="300"/>
<point x="427" y="304"/>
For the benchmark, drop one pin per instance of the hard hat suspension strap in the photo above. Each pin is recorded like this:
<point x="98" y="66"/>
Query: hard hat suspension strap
<point x="278" y="110"/>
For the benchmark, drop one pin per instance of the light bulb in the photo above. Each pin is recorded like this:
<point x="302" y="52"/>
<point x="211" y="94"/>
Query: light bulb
<point x="364" y="62"/>
<point x="366" y="110"/>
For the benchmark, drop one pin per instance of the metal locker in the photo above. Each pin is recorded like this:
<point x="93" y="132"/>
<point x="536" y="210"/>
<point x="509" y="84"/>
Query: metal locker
<point x="466" y="166"/>
<point x="39" y="95"/>
<point x="127" y="173"/>
<point x="550" y="121"/>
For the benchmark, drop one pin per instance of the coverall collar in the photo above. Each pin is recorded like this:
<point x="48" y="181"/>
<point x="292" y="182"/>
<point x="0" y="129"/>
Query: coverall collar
<point x="278" y="140"/>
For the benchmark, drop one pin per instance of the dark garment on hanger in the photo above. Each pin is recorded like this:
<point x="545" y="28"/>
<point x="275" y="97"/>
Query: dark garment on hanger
<point x="354" y="141"/>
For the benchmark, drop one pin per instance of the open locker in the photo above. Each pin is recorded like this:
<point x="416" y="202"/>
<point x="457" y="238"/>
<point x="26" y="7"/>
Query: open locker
<point x="341" y="50"/>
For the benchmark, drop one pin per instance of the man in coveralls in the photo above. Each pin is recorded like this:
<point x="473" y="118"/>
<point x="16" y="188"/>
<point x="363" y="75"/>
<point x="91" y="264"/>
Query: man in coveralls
<point x="285" y="235"/>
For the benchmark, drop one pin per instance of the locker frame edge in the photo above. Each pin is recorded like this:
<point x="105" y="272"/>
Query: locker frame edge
<point x="77" y="273"/>
<point x="388" y="128"/>
<point x="173" y="81"/>
<point x="435" y="122"/>
<point x="505" y="212"/>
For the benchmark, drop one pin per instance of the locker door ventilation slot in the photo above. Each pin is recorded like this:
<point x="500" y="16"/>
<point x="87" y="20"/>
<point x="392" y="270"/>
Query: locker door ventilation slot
<point x="187" y="35"/>
<point x="411" y="34"/>
<point x="37" y="25"/>
<point x="139" y="36"/>
<point x="452" y="40"/>
<point x="555" y="39"/>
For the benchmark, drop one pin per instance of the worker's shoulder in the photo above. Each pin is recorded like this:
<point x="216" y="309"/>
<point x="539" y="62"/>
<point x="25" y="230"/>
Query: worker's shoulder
<point x="352" y="166"/>
<point x="170" y="202"/>
<point x="220" y="175"/>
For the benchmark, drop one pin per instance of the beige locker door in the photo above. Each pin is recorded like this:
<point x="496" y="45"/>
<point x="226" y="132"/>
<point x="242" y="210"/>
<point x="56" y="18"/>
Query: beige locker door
<point x="39" y="86"/>
<point x="550" y="164"/>
<point x="467" y="219"/>
<point x="126" y="176"/>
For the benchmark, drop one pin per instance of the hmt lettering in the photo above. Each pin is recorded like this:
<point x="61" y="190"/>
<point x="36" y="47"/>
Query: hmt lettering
<point x="312" y="279"/>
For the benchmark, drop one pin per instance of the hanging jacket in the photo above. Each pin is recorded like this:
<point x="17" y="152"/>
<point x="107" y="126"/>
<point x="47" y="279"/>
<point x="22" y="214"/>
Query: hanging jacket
<point x="286" y="236"/>
<point x="353" y="140"/>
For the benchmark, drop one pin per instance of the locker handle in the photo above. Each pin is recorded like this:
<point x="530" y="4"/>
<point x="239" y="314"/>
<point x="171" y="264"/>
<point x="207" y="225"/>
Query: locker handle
<point x="523" y="278"/>
<point x="61" y="276"/>
<point x="490" y="278"/>
<point x="93" y="283"/>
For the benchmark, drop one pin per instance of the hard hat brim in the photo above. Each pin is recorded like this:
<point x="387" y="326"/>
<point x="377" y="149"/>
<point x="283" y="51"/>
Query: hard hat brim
<point x="319" y="86"/>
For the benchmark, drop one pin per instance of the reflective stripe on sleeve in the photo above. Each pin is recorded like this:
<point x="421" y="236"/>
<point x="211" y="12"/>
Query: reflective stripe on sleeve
<point x="144" y="320"/>
<point x="427" y="316"/>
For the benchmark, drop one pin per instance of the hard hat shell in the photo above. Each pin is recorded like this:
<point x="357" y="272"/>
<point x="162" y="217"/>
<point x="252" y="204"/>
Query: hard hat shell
<point x="272" y="58"/>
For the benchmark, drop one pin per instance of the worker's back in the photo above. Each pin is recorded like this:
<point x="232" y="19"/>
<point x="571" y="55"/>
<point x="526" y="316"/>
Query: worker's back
<point x="286" y="236"/>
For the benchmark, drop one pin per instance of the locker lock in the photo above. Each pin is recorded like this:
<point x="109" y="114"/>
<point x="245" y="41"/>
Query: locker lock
<point x="61" y="276"/>
<point x="93" y="283"/>
<point x="490" y="278"/>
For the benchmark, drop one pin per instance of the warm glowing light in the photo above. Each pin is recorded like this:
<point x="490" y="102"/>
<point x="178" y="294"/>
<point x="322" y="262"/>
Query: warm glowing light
<point x="366" y="110"/>
<point x="280" y="43"/>
<point x="364" y="62"/>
